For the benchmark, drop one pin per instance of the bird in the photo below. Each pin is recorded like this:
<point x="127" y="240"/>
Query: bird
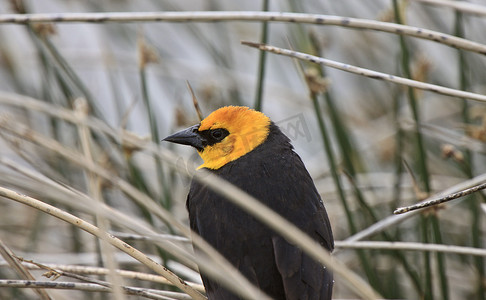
<point x="246" y="148"/>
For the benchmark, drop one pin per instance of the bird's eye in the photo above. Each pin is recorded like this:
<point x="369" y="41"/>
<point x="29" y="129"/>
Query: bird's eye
<point x="217" y="134"/>
<point x="213" y="136"/>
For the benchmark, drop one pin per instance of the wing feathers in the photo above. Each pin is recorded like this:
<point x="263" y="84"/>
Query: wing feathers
<point x="302" y="277"/>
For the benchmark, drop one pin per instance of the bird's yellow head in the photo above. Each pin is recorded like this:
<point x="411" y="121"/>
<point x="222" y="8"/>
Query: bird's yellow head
<point x="225" y="135"/>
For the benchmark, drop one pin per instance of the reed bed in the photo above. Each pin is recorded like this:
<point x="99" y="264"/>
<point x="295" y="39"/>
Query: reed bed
<point x="383" y="100"/>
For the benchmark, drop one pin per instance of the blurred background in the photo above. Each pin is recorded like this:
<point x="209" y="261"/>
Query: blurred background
<point x="371" y="146"/>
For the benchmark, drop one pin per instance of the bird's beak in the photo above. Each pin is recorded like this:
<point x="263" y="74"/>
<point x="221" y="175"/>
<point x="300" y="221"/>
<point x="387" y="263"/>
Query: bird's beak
<point x="189" y="136"/>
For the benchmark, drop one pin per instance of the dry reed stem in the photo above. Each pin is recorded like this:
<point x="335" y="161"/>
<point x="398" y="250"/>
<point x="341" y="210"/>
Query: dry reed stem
<point x="89" y="270"/>
<point x="370" y="73"/>
<point x="410" y="246"/>
<point x="440" y="200"/>
<point x="216" y="16"/>
<point x="81" y="110"/>
<point x="124" y="247"/>
<point x="20" y="269"/>
<point x="93" y="287"/>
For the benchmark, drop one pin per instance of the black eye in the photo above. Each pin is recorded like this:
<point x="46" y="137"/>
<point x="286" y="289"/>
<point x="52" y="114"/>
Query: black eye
<point x="213" y="136"/>
<point x="217" y="134"/>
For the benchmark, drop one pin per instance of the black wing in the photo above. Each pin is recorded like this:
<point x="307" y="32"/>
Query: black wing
<point x="303" y="277"/>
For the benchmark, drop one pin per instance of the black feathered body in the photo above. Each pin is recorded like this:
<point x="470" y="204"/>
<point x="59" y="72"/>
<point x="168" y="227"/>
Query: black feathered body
<point x="274" y="174"/>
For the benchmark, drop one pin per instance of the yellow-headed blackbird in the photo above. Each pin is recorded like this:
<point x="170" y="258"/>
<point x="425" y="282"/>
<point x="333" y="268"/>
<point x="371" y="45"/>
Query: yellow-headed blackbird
<point x="247" y="149"/>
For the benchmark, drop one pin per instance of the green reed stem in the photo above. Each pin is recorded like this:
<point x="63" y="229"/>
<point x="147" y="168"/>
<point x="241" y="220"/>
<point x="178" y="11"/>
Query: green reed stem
<point x="261" y="61"/>
<point x="423" y="170"/>
<point x="166" y="199"/>
<point x="475" y="201"/>
<point x="371" y="274"/>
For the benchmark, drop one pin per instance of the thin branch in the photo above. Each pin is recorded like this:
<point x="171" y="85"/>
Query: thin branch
<point x="440" y="200"/>
<point x="92" y="287"/>
<point x="194" y="101"/>
<point x="89" y="270"/>
<point x="216" y="16"/>
<point x="411" y="247"/>
<point x="369" y="73"/>
<point x="150" y="237"/>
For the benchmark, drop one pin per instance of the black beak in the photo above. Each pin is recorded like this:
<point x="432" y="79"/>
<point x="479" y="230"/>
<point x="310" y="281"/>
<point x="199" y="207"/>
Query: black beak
<point x="189" y="136"/>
